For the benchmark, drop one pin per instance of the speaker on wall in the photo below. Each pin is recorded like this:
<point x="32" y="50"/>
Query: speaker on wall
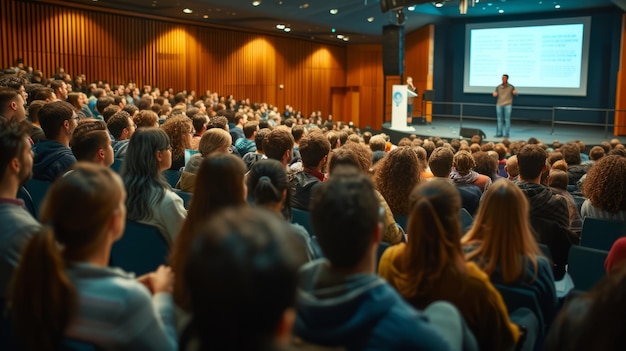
<point x="470" y="132"/>
<point x="393" y="50"/>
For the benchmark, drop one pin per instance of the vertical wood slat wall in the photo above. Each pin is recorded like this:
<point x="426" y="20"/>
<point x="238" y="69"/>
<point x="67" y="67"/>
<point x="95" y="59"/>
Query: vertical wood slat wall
<point x="620" y="100"/>
<point x="120" y="48"/>
<point x="419" y="61"/>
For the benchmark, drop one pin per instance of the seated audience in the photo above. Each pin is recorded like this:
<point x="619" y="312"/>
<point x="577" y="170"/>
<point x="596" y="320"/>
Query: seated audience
<point x="53" y="156"/>
<point x="463" y="171"/>
<point x="213" y="140"/>
<point x="199" y="123"/>
<point x="179" y="130"/>
<point x="269" y="187"/>
<point x="220" y="183"/>
<point x="247" y="143"/>
<point x="502" y="244"/>
<point x="360" y="156"/>
<point x="241" y="275"/>
<point x="314" y="148"/>
<point x="251" y="157"/>
<point x="121" y="126"/>
<point x="397" y="174"/>
<point x="150" y="199"/>
<point x="604" y="189"/>
<point x="63" y="287"/>
<point x="18" y="225"/>
<point x="341" y="301"/>
<point x="431" y="267"/>
<point x="91" y="142"/>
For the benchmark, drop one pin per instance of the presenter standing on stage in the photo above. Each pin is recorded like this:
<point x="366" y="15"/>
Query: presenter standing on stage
<point x="504" y="105"/>
<point x="409" y="101"/>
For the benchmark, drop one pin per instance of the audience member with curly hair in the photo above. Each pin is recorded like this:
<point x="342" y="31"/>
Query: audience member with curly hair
<point x="605" y="189"/>
<point x="179" y="129"/>
<point x="398" y="174"/>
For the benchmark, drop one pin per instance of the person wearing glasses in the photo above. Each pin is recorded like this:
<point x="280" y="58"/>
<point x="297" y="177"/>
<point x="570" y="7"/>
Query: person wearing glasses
<point x="53" y="156"/>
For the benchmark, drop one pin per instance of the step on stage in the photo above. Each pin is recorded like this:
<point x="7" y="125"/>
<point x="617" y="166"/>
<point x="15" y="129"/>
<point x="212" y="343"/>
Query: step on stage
<point x="449" y="128"/>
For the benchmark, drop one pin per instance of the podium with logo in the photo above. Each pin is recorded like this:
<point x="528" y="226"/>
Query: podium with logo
<point x="399" y="96"/>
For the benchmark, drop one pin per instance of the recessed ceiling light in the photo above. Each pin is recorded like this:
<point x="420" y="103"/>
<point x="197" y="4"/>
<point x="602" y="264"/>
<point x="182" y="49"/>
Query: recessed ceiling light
<point x="334" y="11"/>
<point x="187" y="10"/>
<point x="256" y="3"/>
<point x="304" y="6"/>
<point x="439" y="4"/>
<point x="280" y="26"/>
<point x="500" y="11"/>
<point x="557" y="6"/>
<point x="346" y="38"/>
<point x="205" y="16"/>
<point x="370" y="19"/>
<point x="287" y="29"/>
<point x="411" y="8"/>
<point x="339" y="36"/>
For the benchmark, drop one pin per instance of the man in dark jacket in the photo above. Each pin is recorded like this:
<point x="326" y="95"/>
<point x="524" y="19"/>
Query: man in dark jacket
<point x="549" y="214"/>
<point x="314" y="149"/>
<point x="341" y="301"/>
<point x="53" y="156"/>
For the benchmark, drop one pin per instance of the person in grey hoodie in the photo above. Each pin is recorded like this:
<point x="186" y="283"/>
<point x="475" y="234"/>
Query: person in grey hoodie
<point x="341" y="301"/>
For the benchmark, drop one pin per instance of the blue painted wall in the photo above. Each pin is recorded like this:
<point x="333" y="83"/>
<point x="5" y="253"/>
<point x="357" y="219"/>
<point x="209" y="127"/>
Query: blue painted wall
<point x="602" y="71"/>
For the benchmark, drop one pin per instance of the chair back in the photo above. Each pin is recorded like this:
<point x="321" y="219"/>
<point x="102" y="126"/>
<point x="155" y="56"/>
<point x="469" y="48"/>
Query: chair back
<point x="142" y="249"/>
<point x="601" y="233"/>
<point x="303" y="218"/>
<point x="466" y="220"/>
<point x="517" y="297"/>
<point x="24" y="195"/>
<point x="171" y="176"/>
<point x="37" y="190"/>
<point x="586" y="266"/>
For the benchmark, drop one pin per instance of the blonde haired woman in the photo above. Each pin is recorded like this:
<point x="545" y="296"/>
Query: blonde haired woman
<point x="213" y="140"/>
<point x="501" y="243"/>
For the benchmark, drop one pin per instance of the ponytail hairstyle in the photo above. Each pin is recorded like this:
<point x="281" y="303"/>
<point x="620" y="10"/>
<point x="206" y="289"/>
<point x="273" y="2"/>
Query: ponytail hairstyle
<point x="267" y="181"/>
<point x="75" y="214"/>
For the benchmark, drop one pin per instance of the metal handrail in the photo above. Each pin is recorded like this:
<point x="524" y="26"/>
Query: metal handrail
<point x="553" y="110"/>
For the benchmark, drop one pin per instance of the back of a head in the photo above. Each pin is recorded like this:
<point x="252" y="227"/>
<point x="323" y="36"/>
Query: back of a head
<point x="531" y="159"/>
<point x="345" y="216"/>
<point x="440" y="162"/>
<point x="88" y="138"/>
<point x="433" y="228"/>
<point x="146" y="118"/>
<point x="313" y="148"/>
<point x="464" y="162"/>
<point x="241" y="275"/>
<point x="12" y="141"/>
<point x="140" y="159"/>
<point x="596" y="153"/>
<point x="259" y="137"/>
<point x="558" y="179"/>
<point x="215" y="139"/>
<point x="378" y="143"/>
<point x="277" y="142"/>
<point x="52" y="116"/>
<point x="398" y="173"/>
<point x="571" y="153"/>
<point x="267" y="181"/>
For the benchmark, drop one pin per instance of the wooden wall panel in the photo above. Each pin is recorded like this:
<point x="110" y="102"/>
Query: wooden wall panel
<point x="365" y="70"/>
<point x="420" y="54"/>
<point x="118" y="48"/>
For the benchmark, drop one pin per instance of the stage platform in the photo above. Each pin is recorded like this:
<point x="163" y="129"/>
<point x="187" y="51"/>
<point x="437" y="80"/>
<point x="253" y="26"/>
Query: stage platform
<point x="449" y="128"/>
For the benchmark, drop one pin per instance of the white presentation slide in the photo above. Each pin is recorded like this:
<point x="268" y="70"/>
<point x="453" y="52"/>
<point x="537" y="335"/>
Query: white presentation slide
<point x="547" y="57"/>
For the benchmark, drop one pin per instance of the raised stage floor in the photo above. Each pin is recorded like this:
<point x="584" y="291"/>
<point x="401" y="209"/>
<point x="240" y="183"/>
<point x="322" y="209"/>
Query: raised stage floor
<point x="449" y="128"/>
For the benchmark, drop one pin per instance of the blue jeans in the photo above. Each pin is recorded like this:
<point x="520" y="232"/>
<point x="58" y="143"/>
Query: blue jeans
<point x="504" y="115"/>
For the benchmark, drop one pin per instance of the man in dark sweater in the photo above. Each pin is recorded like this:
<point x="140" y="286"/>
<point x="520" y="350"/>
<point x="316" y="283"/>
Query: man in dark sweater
<point x="549" y="214"/>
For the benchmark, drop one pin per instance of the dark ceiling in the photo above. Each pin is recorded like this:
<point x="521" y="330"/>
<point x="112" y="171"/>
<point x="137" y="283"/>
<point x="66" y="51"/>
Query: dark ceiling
<point x="360" y="21"/>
